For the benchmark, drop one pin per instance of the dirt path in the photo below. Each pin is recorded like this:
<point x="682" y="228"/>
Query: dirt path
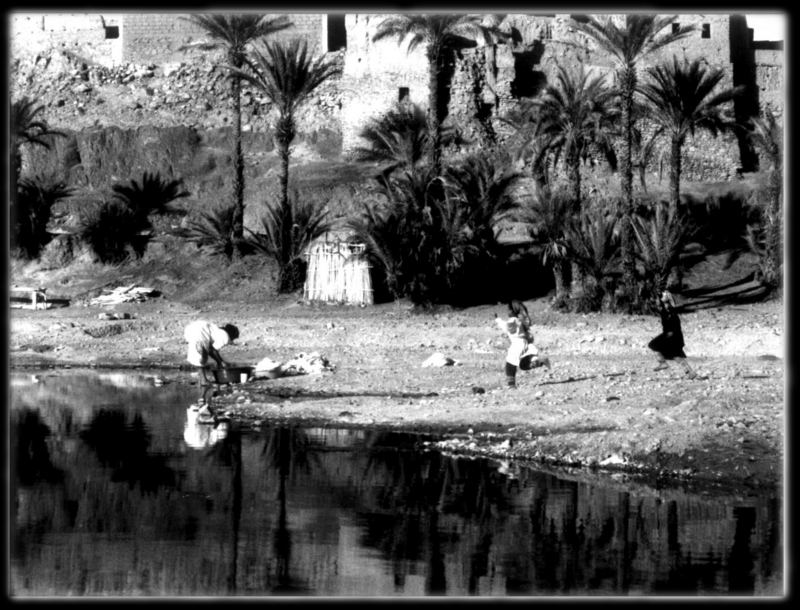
<point x="600" y="406"/>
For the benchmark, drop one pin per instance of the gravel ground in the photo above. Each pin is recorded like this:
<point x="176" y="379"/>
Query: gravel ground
<point x="600" y="407"/>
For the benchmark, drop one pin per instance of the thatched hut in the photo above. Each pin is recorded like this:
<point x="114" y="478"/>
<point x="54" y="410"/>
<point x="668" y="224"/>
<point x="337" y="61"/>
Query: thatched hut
<point x="338" y="272"/>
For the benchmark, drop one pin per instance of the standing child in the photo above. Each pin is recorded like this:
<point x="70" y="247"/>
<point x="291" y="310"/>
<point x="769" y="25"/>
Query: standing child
<point x="522" y="353"/>
<point x="669" y="344"/>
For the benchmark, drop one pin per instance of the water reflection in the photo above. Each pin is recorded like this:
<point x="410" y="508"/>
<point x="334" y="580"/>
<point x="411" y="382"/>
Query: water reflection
<point x="120" y="490"/>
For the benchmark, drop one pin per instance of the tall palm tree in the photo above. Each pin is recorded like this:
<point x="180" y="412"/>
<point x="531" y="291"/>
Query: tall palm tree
<point x="638" y="37"/>
<point x="527" y="141"/>
<point x="26" y="128"/>
<point x="287" y="74"/>
<point x="684" y="96"/>
<point x="235" y="33"/>
<point x="577" y="116"/>
<point x="767" y="136"/>
<point x="440" y="33"/>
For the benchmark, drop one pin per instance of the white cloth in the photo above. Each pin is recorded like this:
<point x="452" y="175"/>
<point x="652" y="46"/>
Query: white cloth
<point x="520" y="337"/>
<point x="201" y="335"/>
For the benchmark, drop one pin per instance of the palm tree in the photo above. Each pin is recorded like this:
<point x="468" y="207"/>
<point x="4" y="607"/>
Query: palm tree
<point x="287" y="74"/>
<point x="212" y="230"/>
<point x="26" y="128"/>
<point x="548" y="214"/>
<point x="153" y="194"/>
<point x="234" y="34"/>
<point x="661" y="240"/>
<point x="302" y="221"/>
<point x="441" y="33"/>
<point x="767" y="136"/>
<point x="400" y="138"/>
<point x="628" y="45"/>
<point x="593" y="248"/>
<point x="683" y="97"/>
<point x="576" y="115"/>
<point x="527" y="142"/>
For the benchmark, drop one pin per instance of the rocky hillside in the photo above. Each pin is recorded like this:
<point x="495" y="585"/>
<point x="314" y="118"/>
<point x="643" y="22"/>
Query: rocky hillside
<point x="78" y="94"/>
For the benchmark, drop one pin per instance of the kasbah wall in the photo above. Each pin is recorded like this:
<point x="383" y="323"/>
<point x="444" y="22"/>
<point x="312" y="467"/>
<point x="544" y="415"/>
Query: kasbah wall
<point x="484" y="82"/>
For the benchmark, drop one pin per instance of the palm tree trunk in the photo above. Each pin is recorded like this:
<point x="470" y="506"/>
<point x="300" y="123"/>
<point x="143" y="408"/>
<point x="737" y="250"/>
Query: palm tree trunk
<point x="675" y="173"/>
<point x="434" y="125"/>
<point x="774" y="230"/>
<point x="560" y="277"/>
<point x="238" y="165"/>
<point x="628" y="78"/>
<point x="675" y="275"/>
<point x="576" y="290"/>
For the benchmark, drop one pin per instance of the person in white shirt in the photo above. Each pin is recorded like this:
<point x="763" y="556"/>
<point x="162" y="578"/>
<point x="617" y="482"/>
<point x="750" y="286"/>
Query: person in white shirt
<point x="205" y="340"/>
<point x="522" y="353"/>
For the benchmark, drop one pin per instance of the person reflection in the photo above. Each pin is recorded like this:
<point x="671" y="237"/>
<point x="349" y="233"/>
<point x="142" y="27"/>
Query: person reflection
<point x="202" y="428"/>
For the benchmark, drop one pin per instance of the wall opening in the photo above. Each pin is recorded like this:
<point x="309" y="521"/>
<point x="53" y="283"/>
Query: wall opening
<point x="676" y="27"/>
<point x="402" y="95"/>
<point x="337" y="34"/>
<point x="705" y="32"/>
<point x="112" y="32"/>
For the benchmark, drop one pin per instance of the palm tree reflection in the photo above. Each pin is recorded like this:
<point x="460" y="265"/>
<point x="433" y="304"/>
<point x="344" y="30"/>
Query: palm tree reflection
<point x="412" y="490"/>
<point x="286" y="450"/>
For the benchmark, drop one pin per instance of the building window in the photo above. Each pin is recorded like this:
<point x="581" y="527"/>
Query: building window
<point x="402" y="95"/>
<point x="337" y="34"/>
<point x="706" y="31"/>
<point x="547" y="31"/>
<point x="112" y="31"/>
<point x="676" y="27"/>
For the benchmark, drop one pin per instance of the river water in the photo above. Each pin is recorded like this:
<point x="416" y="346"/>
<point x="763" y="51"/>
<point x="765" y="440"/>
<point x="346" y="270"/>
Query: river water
<point x="117" y="490"/>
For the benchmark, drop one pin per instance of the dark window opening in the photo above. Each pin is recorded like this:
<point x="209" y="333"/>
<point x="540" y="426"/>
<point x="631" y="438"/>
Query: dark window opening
<point x="676" y="27"/>
<point x="706" y="31"/>
<point x="402" y="95"/>
<point x="337" y="34"/>
<point x="112" y="31"/>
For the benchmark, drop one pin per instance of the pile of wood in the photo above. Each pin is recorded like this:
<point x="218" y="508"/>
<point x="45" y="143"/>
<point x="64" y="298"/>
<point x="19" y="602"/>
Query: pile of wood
<point x="338" y="272"/>
<point x="124" y="294"/>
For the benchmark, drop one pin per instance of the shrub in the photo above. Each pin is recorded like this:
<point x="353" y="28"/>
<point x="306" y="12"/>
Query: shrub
<point x="153" y="194"/>
<point x="212" y="230"/>
<point x="288" y="229"/>
<point x="660" y="239"/>
<point x="593" y="245"/>
<point x="113" y="231"/>
<point x="435" y="237"/>
<point x="30" y="213"/>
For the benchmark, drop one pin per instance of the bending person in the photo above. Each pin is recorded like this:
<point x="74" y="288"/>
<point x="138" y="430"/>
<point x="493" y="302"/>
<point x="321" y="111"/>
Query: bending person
<point x="205" y="340"/>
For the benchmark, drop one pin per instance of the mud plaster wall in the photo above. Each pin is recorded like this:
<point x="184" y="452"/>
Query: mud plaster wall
<point x="156" y="36"/>
<point x="373" y="74"/>
<point x="82" y="34"/>
<point x="769" y="78"/>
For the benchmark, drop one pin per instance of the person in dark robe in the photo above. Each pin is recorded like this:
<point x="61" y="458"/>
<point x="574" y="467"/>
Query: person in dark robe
<point x="669" y="344"/>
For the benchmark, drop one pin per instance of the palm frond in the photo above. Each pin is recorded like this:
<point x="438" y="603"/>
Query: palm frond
<point x="151" y="194"/>
<point x="212" y="230"/>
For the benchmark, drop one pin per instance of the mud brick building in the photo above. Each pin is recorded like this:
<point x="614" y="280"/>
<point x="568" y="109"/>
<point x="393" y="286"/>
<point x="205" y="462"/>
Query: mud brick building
<point x="479" y="84"/>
